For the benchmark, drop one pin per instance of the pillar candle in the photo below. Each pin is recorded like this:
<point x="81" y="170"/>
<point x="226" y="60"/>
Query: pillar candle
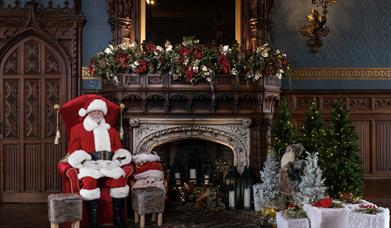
<point x="206" y="179"/>
<point x="193" y="174"/>
<point x="231" y="199"/>
<point x="177" y="175"/>
<point x="247" y="198"/>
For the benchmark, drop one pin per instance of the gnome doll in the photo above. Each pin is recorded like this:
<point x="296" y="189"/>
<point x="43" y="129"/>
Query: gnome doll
<point x="95" y="149"/>
<point x="148" y="171"/>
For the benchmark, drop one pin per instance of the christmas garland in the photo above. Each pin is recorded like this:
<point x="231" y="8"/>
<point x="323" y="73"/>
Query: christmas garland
<point x="189" y="60"/>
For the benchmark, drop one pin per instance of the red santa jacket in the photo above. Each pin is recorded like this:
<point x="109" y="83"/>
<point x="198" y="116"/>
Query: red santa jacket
<point x="89" y="136"/>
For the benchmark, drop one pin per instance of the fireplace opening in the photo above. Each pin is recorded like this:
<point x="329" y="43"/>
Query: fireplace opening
<point x="199" y="162"/>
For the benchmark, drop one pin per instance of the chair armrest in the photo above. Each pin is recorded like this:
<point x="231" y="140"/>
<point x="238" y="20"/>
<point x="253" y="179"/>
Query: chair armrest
<point x="63" y="167"/>
<point x="129" y="170"/>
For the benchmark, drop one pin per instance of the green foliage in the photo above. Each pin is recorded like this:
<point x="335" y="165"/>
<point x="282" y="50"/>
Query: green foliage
<point x="313" y="131"/>
<point x="342" y="164"/>
<point x="284" y="132"/>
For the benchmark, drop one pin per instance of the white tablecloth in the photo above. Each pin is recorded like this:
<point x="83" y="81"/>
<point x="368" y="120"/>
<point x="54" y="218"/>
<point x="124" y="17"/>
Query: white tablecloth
<point x="283" y="222"/>
<point x="326" y="217"/>
<point x="361" y="220"/>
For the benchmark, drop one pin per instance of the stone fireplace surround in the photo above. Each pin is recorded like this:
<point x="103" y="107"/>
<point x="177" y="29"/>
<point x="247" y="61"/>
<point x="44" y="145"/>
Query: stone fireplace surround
<point x="231" y="132"/>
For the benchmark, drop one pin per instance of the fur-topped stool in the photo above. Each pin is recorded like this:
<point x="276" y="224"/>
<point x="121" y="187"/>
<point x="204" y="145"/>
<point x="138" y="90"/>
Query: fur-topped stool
<point x="148" y="200"/>
<point x="64" y="208"/>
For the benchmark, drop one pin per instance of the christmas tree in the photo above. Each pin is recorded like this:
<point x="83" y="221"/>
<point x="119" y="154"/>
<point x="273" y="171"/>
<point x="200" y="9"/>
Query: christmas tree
<point x="312" y="186"/>
<point x="342" y="161"/>
<point x="284" y="131"/>
<point x="270" y="187"/>
<point x="313" y="131"/>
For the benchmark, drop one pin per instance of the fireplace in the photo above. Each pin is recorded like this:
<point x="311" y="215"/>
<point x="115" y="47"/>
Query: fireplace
<point x="236" y="113"/>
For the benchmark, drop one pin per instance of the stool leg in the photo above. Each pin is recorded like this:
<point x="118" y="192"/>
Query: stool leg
<point x="52" y="225"/>
<point x="75" y="224"/>
<point x="136" y="217"/>
<point x="159" y="219"/>
<point x="153" y="217"/>
<point x="142" y="221"/>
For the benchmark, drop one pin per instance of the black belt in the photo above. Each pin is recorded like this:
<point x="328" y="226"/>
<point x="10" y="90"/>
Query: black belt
<point x="102" y="155"/>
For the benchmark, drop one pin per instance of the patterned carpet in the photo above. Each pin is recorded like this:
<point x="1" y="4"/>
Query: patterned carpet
<point x="188" y="217"/>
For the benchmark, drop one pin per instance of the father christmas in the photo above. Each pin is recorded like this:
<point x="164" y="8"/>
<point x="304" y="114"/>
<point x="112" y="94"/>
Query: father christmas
<point x="95" y="149"/>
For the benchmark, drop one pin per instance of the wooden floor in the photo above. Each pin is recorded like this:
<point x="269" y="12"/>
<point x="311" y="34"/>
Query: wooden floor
<point x="13" y="215"/>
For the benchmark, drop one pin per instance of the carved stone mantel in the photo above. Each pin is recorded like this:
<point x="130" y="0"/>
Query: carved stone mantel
<point x="231" y="132"/>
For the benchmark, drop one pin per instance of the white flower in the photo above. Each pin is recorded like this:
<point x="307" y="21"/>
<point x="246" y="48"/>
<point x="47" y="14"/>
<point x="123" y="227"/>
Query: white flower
<point x="278" y="51"/>
<point x="258" y="75"/>
<point x="186" y="61"/>
<point x="109" y="50"/>
<point x="234" y="71"/>
<point x="208" y="79"/>
<point x="225" y="49"/>
<point x="133" y="45"/>
<point x="204" y="68"/>
<point x="168" y="46"/>
<point x="134" y="64"/>
<point x="159" y="48"/>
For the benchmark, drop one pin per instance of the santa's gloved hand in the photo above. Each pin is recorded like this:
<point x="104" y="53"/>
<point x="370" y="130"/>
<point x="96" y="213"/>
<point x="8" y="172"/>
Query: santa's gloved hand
<point x="91" y="164"/>
<point x="113" y="164"/>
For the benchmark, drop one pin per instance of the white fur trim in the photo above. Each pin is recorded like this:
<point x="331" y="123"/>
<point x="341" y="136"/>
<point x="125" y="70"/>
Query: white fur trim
<point x="82" y="112"/>
<point x="77" y="157"/>
<point x="97" y="105"/>
<point x="101" y="138"/>
<point x="114" y="173"/>
<point x="123" y="156"/>
<point x="89" y="124"/>
<point x="157" y="174"/>
<point x="89" y="172"/>
<point x="145" y="157"/>
<point x="121" y="192"/>
<point x="90" y="194"/>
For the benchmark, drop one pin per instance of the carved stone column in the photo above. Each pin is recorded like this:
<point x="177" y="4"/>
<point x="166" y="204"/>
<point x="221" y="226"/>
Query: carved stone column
<point x="120" y="20"/>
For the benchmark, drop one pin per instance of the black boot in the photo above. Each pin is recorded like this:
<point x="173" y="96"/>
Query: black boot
<point x="92" y="208"/>
<point x="118" y="206"/>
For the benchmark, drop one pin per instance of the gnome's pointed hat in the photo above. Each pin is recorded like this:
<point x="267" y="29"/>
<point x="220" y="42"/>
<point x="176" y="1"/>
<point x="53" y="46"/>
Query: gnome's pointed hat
<point x="74" y="111"/>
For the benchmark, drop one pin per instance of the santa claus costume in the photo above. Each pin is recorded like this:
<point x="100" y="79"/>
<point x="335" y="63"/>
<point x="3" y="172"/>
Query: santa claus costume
<point x="95" y="149"/>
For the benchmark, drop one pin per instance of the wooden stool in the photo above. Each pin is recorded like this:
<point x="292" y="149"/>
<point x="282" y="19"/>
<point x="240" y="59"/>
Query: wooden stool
<point x="148" y="200"/>
<point x="64" y="208"/>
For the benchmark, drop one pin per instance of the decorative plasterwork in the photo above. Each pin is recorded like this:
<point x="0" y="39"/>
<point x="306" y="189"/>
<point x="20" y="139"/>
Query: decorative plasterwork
<point x="234" y="133"/>
<point x="342" y="74"/>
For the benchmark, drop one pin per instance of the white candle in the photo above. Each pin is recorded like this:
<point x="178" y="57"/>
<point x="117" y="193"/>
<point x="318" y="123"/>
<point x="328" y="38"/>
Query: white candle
<point x="177" y="175"/>
<point x="206" y="179"/>
<point x="247" y="198"/>
<point x="193" y="174"/>
<point x="231" y="199"/>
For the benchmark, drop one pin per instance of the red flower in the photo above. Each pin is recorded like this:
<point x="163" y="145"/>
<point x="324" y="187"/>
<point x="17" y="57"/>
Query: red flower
<point x="142" y="67"/>
<point x="325" y="203"/>
<point x="92" y="67"/>
<point x="197" y="53"/>
<point x="284" y="61"/>
<point x="150" y="47"/>
<point x="184" y="51"/>
<point x="122" y="60"/>
<point x="291" y="205"/>
<point x="189" y="73"/>
<point x="269" y="70"/>
<point x="224" y="65"/>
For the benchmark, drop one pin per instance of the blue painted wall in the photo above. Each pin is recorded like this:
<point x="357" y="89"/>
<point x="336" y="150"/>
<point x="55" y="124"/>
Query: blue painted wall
<point x="359" y="34"/>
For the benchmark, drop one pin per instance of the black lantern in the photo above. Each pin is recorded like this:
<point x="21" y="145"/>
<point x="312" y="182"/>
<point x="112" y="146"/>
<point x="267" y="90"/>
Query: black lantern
<point x="245" y="187"/>
<point x="231" y="182"/>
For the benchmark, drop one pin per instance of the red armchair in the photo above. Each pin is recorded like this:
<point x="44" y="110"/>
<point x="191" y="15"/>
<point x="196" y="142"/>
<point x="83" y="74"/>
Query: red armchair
<point x="70" y="184"/>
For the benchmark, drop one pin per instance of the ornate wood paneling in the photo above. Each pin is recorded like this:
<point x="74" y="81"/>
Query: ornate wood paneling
<point x="11" y="159"/>
<point x="363" y="130"/>
<point x="370" y="112"/>
<point x="11" y="108"/>
<point x="40" y="49"/>
<point x="31" y="109"/>
<point x="34" y="164"/>
<point x="383" y="147"/>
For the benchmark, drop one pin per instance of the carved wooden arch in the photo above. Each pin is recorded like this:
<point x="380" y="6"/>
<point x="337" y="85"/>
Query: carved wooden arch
<point x="35" y="34"/>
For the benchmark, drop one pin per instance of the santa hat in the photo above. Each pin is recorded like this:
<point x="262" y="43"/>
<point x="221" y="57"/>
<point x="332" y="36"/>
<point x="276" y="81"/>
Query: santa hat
<point x="70" y="111"/>
<point x="148" y="170"/>
<point x="95" y="105"/>
<point x="146" y="157"/>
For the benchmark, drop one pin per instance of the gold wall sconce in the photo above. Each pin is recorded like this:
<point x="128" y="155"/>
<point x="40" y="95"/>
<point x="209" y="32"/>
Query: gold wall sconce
<point x="316" y="27"/>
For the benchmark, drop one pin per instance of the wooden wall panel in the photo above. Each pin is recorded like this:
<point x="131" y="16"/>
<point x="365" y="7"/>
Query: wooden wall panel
<point x="53" y="154"/>
<point x="33" y="163"/>
<point x="12" y="172"/>
<point x="383" y="146"/>
<point x="363" y="130"/>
